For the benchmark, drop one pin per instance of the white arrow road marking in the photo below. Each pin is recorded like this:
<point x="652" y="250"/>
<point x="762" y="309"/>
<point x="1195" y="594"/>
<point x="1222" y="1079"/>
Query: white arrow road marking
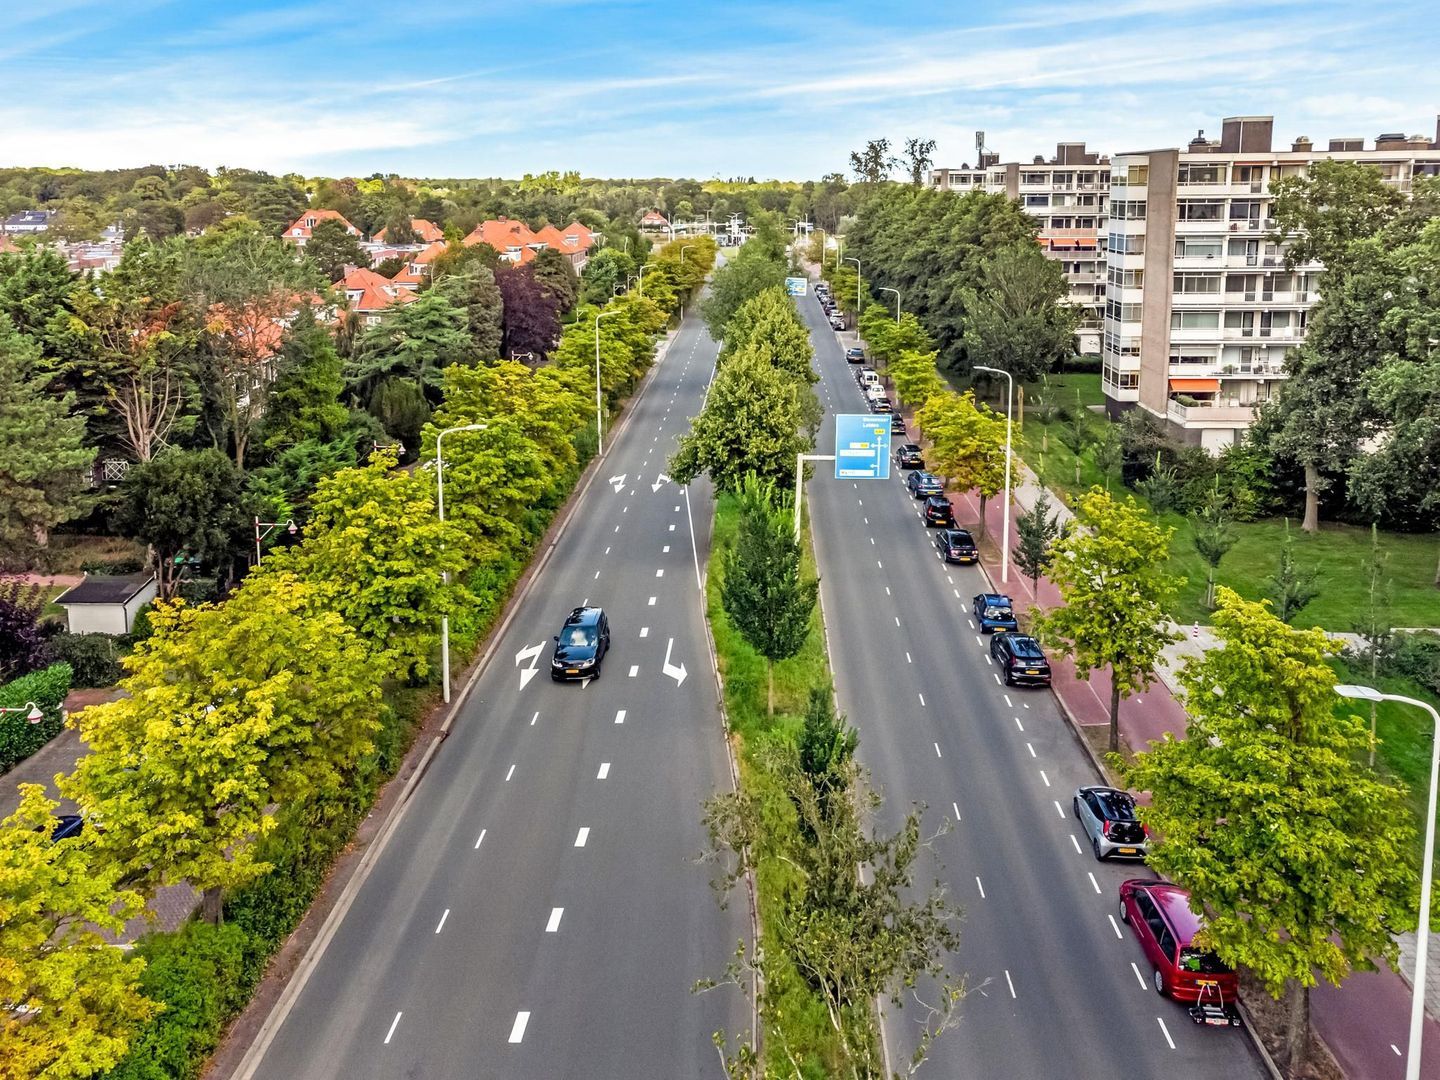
<point x="618" y="483"/>
<point x="531" y="653"/>
<point x="660" y="481"/>
<point x="676" y="673"/>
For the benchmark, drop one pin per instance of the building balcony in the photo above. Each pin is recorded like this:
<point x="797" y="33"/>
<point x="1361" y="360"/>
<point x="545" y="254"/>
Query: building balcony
<point x="1212" y="415"/>
<point x="1215" y="228"/>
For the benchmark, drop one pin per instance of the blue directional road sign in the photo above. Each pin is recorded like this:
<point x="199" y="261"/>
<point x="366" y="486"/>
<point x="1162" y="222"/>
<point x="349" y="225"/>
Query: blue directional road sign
<point x="862" y="447"/>
<point x="796" y="286"/>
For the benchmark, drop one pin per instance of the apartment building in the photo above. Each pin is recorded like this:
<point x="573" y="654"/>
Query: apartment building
<point x="1068" y="195"/>
<point x="1200" y="310"/>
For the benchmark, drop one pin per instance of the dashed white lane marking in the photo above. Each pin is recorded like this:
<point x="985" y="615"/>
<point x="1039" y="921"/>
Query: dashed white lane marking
<point x="1031" y="749"/>
<point x="872" y="541"/>
<point x="957" y="597"/>
<point x="1075" y="842"/>
<point x="582" y="836"/>
<point x="887" y="590"/>
<point x="1165" y="1031"/>
<point x="1044" y="777"/>
<point x="1058" y="808"/>
<point x="634" y="670"/>
<point x="554" y="923"/>
<point x="988" y="660"/>
<point x="393" y="1025"/>
<point x="644" y="631"/>
<point x="1008" y="703"/>
<point x="970" y="621"/>
<point x="625" y="509"/>
<point x="897" y="620"/>
<point x="665" y="550"/>
<point x="1397" y="1050"/>
<point x="660" y="572"/>
<point x="509" y="774"/>
<point x="867" y="521"/>
<point x="949" y="579"/>
<point x="597" y="575"/>
<point x="880" y="564"/>
<point x="979" y="640"/>
<point x="937" y="749"/>
<point x="607" y="551"/>
<point x="677" y="509"/>
<point x="517" y="1029"/>
<point x="441" y="925"/>
<point x="1019" y="725"/>
<point x="652" y="602"/>
<point x="1116" y="927"/>
<point x="956" y="808"/>
<point x="617" y="528"/>
<point x="672" y="528"/>
<point x="604" y="771"/>
<point x="996" y="674"/>
<point x="1026" y="704"/>
<point x="480" y="839"/>
<point x="1091" y="875"/>
<point x="1009" y="983"/>
<point x="981" y="887"/>
<point x="921" y="697"/>
<point x="620" y="717"/>
<point x="534" y="718"/>
<point x="907" y="659"/>
<point x="1138" y="977"/>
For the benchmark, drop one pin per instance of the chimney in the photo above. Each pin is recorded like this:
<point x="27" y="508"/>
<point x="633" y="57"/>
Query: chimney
<point x="1072" y="153"/>
<point x="1390" y="140"/>
<point x="1198" y="145"/>
<point x="1246" y="134"/>
<point x="1345" y="146"/>
<point x="1302" y="145"/>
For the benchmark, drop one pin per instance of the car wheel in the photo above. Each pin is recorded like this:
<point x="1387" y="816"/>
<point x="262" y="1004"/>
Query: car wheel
<point x="1095" y="847"/>
<point x="1158" y="980"/>
<point x="1075" y="806"/>
<point x="1124" y="915"/>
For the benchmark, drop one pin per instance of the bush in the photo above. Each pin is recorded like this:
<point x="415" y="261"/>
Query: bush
<point x="112" y="566"/>
<point x="1417" y="656"/>
<point x="1081" y="364"/>
<point x="198" y="591"/>
<point x="18" y="737"/>
<point x="94" y="658"/>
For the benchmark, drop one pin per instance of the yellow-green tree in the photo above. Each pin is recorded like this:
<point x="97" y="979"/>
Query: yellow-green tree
<point x="1110" y="571"/>
<point x="967" y="444"/>
<point x="1300" y="858"/>
<point x="69" y="1002"/>
<point x="915" y="376"/>
<point x="231" y="710"/>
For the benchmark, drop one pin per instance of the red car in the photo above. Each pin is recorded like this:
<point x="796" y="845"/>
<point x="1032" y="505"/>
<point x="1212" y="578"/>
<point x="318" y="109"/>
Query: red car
<point x="1160" y="916"/>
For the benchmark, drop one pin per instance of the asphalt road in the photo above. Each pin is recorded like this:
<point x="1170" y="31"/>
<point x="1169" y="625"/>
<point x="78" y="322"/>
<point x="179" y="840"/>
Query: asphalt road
<point x="1057" y="989"/>
<point x="538" y="912"/>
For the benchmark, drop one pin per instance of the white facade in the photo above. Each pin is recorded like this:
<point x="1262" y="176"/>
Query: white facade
<point x="113" y="612"/>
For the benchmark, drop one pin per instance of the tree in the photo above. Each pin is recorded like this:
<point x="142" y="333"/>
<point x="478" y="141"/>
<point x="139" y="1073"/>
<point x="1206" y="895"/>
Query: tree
<point x="556" y="277"/>
<point x="769" y="319"/>
<point x="1036" y="531"/>
<point x="42" y="447"/>
<point x="1111" y="574"/>
<point x="22" y="646"/>
<point x="763" y="592"/>
<point x="874" y="163"/>
<point x="1075" y="433"/>
<point x="603" y="275"/>
<point x="1291" y="587"/>
<point x="967" y="444"/>
<point x="1320" y="213"/>
<point x="748" y="274"/>
<point x="919" y="156"/>
<point x="1297" y="855"/>
<point x="1213" y="537"/>
<point x="826" y="749"/>
<point x="231" y="711"/>
<point x="413" y="342"/>
<point x="750" y="424"/>
<point x="184" y="503"/>
<point x="1109" y="454"/>
<point x="1018" y="319"/>
<point x="475" y="293"/>
<point x="305" y="398"/>
<point x="331" y="248"/>
<point x="1161" y="489"/>
<point x="400" y="407"/>
<point x="72" y="1000"/>
<point x="532" y="315"/>
<point x="1374" y="625"/>
<point x="399" y="231"/>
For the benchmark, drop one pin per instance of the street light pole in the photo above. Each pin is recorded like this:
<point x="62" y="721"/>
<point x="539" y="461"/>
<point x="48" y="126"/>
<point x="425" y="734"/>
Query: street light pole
<point x="859" y="301"/>
<point x="641" y="286"/>
<point x="599" y="438"/>
<point x="445" y="574"/>
<point x="1422" y="937"/>
<point x="684" y="248"/>
<point x="1009" y="419"/>
<point x="884" y="288"/>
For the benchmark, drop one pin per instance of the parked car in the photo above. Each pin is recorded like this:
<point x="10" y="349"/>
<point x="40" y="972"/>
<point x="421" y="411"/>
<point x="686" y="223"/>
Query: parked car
<point x="855" y="355"/>
<point x="880" y="404"/>
<point x="957" y="546"/>
<point x="1160" y="917"/>
<point x="938" y="511"/>
<point x="66" y="826"/>
<point x="897" y="424"/>
<point x="581" y="645"/>
<point x="837" y="322"/>
<point x="1022" y="661"/>
<point x="865" y="376"/>
<point x="908" y="456"/>
<point x="923" y="483"/>
<point x="1108" y="817"/>
<point x="994" y="612"/>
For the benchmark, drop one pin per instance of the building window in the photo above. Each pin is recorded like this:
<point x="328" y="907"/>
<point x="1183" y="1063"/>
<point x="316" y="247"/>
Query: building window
<point x="1037" y="200"/>
<point x="1119" y="379"/>
<point x="1191" y="358"/>
<point x="1198" y="174"/>
<point x="1195" y="320"/>
<point x="1122" y="244"/>
<point x="1034" y="178"/>
<point x="1197" y="249"/>
<point x="1197" y="284"/>
<point x="1127" y="279"/>
<point x="1127" y="210"/>
<point x="1123" y="312"/>
<point x="1201" y="209"/>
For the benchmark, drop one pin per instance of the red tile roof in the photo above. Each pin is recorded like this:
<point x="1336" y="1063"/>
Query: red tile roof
<point x="504" y="236"/>
<point x="368" y="292"/>
<point x="410" y="276"/>
<point x="427" y="231"/>
<point x="300" y="228"/>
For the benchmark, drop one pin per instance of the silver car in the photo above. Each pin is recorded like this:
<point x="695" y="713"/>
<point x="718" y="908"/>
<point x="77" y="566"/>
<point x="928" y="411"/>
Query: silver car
<point x="1108" y="817"/>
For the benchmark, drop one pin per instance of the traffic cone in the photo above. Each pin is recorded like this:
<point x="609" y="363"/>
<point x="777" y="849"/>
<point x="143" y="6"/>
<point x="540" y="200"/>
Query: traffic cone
<point x="1195" y="631"/>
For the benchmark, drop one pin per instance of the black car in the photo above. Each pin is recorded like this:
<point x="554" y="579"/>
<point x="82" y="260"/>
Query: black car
<point x="581" y="645"/>
<point x="1021" y="660"/>
<point x="66" y="826"/>
<point x="923" y="483"/>
<point x="1108" y="817"/>
<point x="938" y="511"/>
<point x="854" y="355"/>
<point x="897" y="424"/>
<point x="908" y="456"/>
<point x="957" y="546"/>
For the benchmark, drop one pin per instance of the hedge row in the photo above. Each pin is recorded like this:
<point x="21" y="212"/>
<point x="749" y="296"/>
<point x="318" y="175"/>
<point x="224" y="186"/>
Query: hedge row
<point x="19" y="738"/>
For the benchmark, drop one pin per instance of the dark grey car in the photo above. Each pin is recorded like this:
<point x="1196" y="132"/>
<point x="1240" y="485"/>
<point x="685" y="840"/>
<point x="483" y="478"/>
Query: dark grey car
<point x="1108" y="817"/>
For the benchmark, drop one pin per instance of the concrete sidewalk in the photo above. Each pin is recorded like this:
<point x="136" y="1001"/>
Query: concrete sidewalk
<point x="1365" y="1020"/>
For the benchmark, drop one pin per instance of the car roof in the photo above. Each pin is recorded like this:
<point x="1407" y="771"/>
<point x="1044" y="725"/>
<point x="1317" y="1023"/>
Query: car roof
<point x="937" y="499"/>
<point x="956" y="534"/>
<point x="584" y="616"/>
<point x="995" y="599"/>
<point x="1175" y="903"/>
<point x="1023" y="644"/>
<point x="1109" y="798"/>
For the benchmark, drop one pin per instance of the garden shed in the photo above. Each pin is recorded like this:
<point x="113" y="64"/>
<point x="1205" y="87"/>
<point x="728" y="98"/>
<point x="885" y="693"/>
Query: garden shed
<point x="106" y="604"/>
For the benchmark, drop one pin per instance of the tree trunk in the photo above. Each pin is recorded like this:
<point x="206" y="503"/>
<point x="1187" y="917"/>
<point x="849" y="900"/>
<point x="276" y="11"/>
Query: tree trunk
<point x="769" y="687"/>
<point x="1437" y="571"/>
<point x="980" y="529"/>
<point x="211" y="908"/>
<point x="1210" y="590"/>
<point x="1312" y="500"/>
<point x="1297" y="1028"/>
<point x="1114" y="713"/>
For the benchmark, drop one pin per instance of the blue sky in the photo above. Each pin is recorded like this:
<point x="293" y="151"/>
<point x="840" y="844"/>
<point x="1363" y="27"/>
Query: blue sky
<point x="778" y="89"/>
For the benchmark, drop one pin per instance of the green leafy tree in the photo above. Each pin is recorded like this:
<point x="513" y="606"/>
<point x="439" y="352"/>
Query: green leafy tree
<point x="916" y="377"/>
<point x="400" y="407"/>
<point x="1161" y="489"/>
<point x="1292" y="586"/>
<point x="1076" y="434"/>
<point x="919" y="156"/>
<point x="415" y="342"/>
<point x="826" y="748"/>
<point x="1213" y="536"/>
<point x="72" y="1001"/>
<point x="769" y="318"/>
<point x="1018" y="319"/>
<point x="1036" y="531"/>
<point x="305" y="398"/>
<point x="747" y="274"/>
<point x="764" y="593"/>
<point x="1109" y="454"/>
<point x="42" y="446"/>
<point x="751" y="423"/>
<point x="1110" y="571"/>
<point x="475" y="293"/>
<point x="604" y="274"/>
<point x="874" y="163"/>
<point x="1320" y="213"/>
<point x="967" y="444"/>
<point x="557" y="277"/>
<point x="184" y="502"/>
<point x="1297" y="855"/>
<point x="331" y="249"/>
<point x="231" y="711"/>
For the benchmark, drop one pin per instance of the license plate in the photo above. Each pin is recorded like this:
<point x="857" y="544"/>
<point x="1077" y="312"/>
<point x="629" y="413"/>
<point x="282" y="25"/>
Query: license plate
<point x="1032" y="671"/>
<point x="1000" y="629"/>
<point x="572" y="671"/>
<point x="1128" y="851"/>
<point x="1216" y="1021"/>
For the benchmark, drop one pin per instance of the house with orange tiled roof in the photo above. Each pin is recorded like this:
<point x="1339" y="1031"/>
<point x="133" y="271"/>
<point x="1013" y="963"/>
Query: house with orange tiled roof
<point x="299" y="231"/>
<point x="653" y="219"/>
<point x="416" y="270"/>
<point x="368" y="294"/>
<point x="518" y="244"/>
<point x="427" y="231"/>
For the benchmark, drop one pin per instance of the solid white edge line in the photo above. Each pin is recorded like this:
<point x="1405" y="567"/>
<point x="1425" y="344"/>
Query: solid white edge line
<point x="393" y="1025"/>
<point x="517" y="1029"/>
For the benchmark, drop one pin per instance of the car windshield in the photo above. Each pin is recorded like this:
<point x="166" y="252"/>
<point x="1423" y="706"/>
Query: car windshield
<point x="1205" y="963"/>
<point x="578" y="636"/>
